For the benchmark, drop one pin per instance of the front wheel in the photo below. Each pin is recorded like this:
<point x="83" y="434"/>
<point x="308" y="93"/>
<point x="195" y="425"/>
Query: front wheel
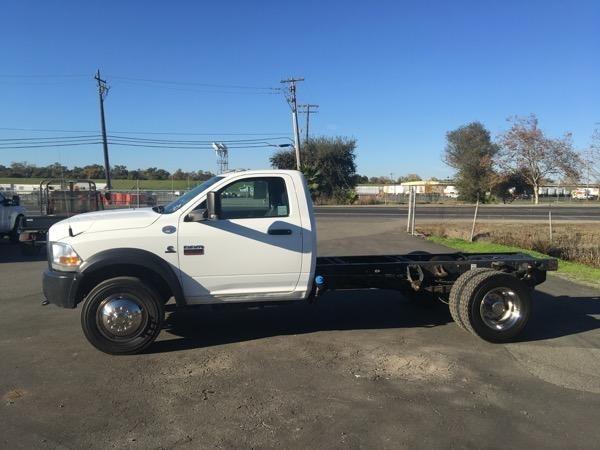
<point x="122" y="316"/>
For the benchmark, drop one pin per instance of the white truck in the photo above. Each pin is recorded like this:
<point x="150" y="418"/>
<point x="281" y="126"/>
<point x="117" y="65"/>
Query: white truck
<point x="12" y="217"/>
<point x="249" y="237"/>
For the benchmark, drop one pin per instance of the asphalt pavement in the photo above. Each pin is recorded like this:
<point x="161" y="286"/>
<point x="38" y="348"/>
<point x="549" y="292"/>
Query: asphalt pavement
<point x="426" y="212"/>
<point x="358" y="369"/>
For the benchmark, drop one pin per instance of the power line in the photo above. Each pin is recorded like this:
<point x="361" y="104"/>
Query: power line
<point x="137" y="139"/>
<point x="274" y="90"/>
<point x="50" y="145"/>
<point x="189" y="83"/>
<point x="171" y="133"/>
<point x="50" y="138"/>
<point x="203" y="146"/>
<point x="44" y="76"/>
<point x="200" y="91"/>
<point x="118" y="138"/>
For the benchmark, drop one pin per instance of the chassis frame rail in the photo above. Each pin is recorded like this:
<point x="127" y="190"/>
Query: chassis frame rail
<point x="434" y="272"/>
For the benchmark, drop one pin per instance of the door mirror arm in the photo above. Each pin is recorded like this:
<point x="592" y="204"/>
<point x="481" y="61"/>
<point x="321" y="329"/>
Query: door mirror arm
<point x="213" y="205"/>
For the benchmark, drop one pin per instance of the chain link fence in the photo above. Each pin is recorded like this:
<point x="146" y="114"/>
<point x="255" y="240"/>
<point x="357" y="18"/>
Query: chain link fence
<point x="34" y="203"/>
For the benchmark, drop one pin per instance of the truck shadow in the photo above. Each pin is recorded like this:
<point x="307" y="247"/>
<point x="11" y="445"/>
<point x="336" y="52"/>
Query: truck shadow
<point x="203" y="326"/>
<point x="10" y="253"/>
<point x="558" y="316"/>
<point x="351" y="310"/>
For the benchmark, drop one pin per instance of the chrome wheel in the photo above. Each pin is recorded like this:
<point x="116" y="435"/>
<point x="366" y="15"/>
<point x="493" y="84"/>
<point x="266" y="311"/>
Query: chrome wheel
<point x="500" y="308"/>
<point x="121" y="317"/>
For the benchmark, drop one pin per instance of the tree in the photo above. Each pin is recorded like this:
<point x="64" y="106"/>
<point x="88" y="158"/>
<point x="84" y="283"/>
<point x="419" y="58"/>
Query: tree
<point x="361" y="179"/>
<point x="119" y="172"/>
<point x="284" y="159"/>
<point x="94" y="171"/>
<point x="525" y="149"/>
<point x="410" y="177"/>
<point x="331" y="158"/>
<point x="470" y="151"/>
<point x="507" y="185"/>
<point x="592" y="158"/>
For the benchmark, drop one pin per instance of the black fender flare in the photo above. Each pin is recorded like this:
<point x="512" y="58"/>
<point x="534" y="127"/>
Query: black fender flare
<point x="134" y="257"/>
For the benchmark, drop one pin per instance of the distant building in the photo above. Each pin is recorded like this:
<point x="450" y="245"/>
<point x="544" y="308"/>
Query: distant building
<point x="442" y="188"/>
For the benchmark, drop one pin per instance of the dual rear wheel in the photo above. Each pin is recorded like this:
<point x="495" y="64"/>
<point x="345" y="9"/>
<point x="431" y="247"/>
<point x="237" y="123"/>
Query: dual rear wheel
<point x="490" y="304"/>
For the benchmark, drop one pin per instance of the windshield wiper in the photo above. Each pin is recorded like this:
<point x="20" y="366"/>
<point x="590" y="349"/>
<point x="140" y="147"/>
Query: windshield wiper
<point x="159" y="209"/>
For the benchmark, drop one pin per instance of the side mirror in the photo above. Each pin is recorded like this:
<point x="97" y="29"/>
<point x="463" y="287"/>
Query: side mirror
<point x="198" y="215"/>
<point x="16" y="200"/>
<point x="213" y="205"/>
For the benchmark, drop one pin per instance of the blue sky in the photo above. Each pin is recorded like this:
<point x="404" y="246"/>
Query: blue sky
<point x="394" y="75"/>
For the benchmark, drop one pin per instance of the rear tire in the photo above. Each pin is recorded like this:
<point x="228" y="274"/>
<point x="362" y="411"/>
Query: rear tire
<point x="122" y="316"/>
<point x="495" y="306"/>
<point x="17" y="229"/>
<point x="457" y="291"/>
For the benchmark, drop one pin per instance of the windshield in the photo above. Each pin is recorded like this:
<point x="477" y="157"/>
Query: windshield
<point x="180" y="201"/>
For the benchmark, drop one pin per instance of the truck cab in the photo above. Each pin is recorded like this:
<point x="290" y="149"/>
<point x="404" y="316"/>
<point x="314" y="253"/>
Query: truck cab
<point x="239" y="237"/>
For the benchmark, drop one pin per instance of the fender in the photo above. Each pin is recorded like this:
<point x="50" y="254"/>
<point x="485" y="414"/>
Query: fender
<point x="12" y="218"/>
<point x="134" y="257"/>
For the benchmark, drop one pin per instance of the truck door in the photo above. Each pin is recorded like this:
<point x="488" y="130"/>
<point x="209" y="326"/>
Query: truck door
<point x="253" y="248"/>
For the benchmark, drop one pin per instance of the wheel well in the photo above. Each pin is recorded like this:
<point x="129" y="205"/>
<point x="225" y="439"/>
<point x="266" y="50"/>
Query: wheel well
<point x="148" y="276"/>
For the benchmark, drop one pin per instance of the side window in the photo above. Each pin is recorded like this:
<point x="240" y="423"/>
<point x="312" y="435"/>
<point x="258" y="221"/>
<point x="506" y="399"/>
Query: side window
<point x="254" y="198"/>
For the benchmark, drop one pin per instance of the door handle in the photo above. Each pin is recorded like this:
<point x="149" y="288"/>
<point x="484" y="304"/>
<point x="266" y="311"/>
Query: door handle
<point x="280" y="231"/>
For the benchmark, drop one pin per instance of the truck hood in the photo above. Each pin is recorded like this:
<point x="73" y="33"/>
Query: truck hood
<point x="121" y="219"/>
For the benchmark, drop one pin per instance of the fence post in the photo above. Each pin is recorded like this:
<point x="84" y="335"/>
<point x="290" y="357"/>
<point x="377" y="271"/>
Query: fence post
<point x="408" y="215"/>
<point x="474" y="219"/>
<point x="550" y="223"/>
<point x="414" y="207"/>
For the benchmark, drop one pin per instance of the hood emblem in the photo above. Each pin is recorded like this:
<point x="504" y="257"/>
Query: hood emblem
<point x="169" y="229"/>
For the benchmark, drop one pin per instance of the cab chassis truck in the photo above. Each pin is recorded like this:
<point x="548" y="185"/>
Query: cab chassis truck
<point x="250" y="238"/>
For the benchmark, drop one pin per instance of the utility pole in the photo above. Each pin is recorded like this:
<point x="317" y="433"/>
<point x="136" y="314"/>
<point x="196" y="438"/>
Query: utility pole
<point x="291" y="98"/>
<point x="307" y="110"/>
<point x="102" y="92"/>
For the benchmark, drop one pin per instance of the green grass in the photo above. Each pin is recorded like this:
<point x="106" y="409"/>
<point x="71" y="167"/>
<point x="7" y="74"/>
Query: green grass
<point x="567" y="269"/>
<point x="119" y="184"/>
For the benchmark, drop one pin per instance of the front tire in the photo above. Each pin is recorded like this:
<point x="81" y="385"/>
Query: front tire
<point x="122" y="316"/>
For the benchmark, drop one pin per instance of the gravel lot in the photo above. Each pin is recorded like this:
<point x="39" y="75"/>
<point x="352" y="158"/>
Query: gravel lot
<point x="358" y="369"/>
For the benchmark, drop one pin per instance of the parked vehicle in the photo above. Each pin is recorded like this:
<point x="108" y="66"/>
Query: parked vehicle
<point x="58" y="200"/>
<point x="210" y="247"/>
<point x="12" y="217"/>
<point x="584" y="194"/>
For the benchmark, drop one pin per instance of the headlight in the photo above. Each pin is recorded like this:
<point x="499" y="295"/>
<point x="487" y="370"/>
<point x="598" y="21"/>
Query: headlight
<point x="63" y="257"/>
